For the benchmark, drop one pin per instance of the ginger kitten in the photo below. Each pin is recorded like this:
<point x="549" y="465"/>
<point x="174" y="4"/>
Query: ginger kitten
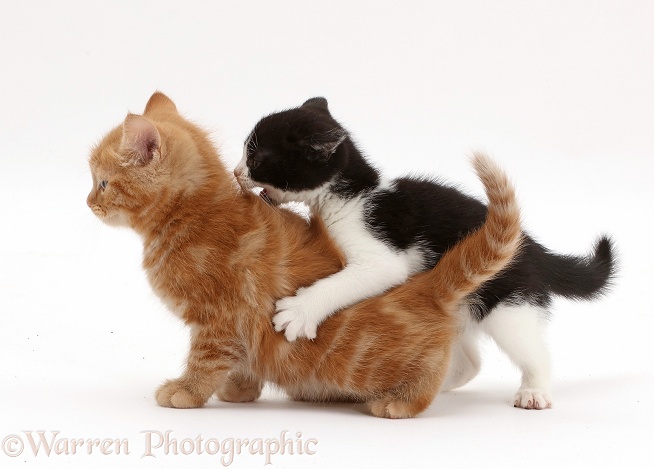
<point x="220" y="258"/>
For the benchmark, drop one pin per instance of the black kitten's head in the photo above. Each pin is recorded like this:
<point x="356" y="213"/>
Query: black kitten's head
<point x="293" y="151"/>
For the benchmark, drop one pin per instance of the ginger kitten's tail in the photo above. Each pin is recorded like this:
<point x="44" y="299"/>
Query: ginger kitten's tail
<point x="486" y="251"/>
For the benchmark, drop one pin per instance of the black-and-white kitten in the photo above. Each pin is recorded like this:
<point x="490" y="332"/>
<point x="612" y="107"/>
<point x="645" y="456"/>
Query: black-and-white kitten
<point x="389" y="230"/>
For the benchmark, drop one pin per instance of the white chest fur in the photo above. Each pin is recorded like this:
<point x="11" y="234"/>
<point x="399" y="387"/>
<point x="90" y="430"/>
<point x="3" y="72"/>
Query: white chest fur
<point x="345" y="220"/>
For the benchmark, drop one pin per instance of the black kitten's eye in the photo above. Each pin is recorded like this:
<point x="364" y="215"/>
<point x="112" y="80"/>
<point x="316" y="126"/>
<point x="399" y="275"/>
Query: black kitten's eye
<point x="252" y="163"/>
<point x="103" y="185"/>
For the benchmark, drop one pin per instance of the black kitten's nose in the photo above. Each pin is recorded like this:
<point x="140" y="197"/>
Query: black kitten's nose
<point x="240" y="169"/>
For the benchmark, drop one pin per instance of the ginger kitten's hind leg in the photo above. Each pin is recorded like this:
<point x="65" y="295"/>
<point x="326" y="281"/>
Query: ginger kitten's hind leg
<point x="393" y="408"/>
<point x="413" y="397"/>
<point x="239" y="388"/>
<point x="518" y="331"/>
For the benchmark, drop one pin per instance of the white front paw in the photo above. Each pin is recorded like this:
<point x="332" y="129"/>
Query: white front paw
<point x="532" y="398"/>
<point x="292" y="315"/>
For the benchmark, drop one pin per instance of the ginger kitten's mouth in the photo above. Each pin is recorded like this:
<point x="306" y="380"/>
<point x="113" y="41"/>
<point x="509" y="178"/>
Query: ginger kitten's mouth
<point x="99" y="211"/>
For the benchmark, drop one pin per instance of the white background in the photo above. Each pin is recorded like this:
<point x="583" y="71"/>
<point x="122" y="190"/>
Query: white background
<point x="559" y="92"/>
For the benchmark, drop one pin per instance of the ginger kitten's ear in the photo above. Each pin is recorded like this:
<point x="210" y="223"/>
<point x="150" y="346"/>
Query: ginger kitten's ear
<point x="159" y="101"/>
<point x="141" y="140"/>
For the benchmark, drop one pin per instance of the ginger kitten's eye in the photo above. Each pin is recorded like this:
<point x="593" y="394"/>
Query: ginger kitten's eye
<point x="103" y="185"/>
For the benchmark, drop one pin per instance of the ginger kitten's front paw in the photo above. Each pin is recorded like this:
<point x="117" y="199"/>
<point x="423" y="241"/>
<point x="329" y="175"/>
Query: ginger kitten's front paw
<point x="178" y="394"/>
<point x="294" y="317"/>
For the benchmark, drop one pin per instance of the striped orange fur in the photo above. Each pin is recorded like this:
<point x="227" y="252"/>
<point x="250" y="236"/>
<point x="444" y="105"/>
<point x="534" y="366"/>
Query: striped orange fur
<point x="220" y="257"/>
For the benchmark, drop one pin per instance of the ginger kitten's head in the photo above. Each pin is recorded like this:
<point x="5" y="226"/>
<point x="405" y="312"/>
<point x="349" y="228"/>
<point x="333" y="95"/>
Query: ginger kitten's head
<point x="292" y="151"/>
<point x="145" y="162"/>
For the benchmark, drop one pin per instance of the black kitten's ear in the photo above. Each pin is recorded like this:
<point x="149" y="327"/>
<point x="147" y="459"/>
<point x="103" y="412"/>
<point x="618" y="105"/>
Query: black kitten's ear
<point x="324" y="145"/>
<point x="317" y="103"/>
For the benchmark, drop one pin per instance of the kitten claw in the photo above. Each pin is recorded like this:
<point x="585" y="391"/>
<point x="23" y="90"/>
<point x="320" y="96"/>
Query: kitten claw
<point x="280" y="326"/>
<point x="296" y="330"/>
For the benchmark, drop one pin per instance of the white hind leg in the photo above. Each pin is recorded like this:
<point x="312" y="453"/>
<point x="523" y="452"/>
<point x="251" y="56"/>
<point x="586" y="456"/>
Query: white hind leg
<point x="518" y="331"/>
<point x="466" y="361"/>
